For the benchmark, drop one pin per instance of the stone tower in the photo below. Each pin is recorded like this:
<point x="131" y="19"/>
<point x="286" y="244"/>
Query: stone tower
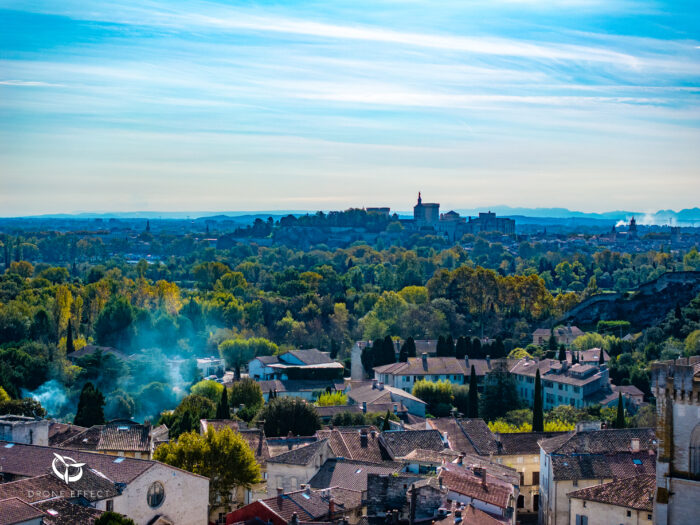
<point x="676" y="385"/>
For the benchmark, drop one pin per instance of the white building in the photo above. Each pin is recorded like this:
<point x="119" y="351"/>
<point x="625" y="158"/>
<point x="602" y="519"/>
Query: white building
<point x="295" y="364"/>
<point x="211" y="366"/>
<point x="23" y="429"/>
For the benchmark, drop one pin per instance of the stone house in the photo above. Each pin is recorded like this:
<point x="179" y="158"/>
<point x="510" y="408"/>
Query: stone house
<point x="627" y="502"/>
<point x="289" y="471"/>
<point x="23" y="429"/>
<point x="144" y="490"/>
<point x="296" y="364"/>
<point x="372" y="395"/>
<point x="589" y="457"/>
<point x="564" y="335"/>
<point x="408" y="494"/>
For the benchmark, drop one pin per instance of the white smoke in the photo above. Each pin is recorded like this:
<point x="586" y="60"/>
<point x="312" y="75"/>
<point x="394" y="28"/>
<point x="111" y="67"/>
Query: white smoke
<point x="51" y="395"/>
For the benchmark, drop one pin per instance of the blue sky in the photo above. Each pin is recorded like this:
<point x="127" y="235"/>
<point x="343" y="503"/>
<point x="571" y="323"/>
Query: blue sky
<point x="186" y="105"/>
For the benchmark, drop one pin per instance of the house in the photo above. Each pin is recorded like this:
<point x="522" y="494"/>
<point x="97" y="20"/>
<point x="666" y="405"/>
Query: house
<point x="478" y="486"/>
<point x="142" y="489"/>
<point x="405" y="375"/>
<point x="587" y="357"/>
<point x="60" y="432"/>
<point x="372" y="395"/>
<point x="423" y="461"/>
<point x="576" y="385"/>
<point x="296" y="364"/>
<point x="588" y="457"/>
<point x="564" y="335"/>
<point x="308" y="389"/>
<point x="290" y="470"/>
<point x="628" y="502"/>
<point x="632" y="398"/>
<point x="89" y="350"/>
<point x="283" y="444"/>
<point x="304" y="505"/>
<point x="676" y="386"/>
<point x="401" y="443"/>
<point x="119" y="437"/>
<point x="211" y="366"/>
<point x="23" y="429"/>
<point x="412" y="497"/>
<point x="14" y="511"/>
<point x="360" y="444"/>
<point x="350" y="474"/>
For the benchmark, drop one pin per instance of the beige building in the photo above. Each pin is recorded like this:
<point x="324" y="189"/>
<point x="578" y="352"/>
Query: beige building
<point x="287" y="472"/>
<point x="627" y="502"/>
<point x="23" y="429"/>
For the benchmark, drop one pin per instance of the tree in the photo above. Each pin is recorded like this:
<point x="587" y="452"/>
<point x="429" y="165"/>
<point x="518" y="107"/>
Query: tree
<point x="562" y="353"/>
<point x="208" y="388"/>
<point x="113" y="518"/>
<point x="500" y="393"/>
<point x="70" y="346"/>
<point x="222" y="456"/>
<point x="476" y="349"/>
<point x="114" y="325"/>
<point x="90" y="407"/>
<point x="449" y="346"/>
<point x="601" y="357"/>
<point x="552" y="343"/>
<point x="410" y="345"/>
<point x="186" y="417"/>
<point x="440" y="348"/>
<point x="222" y="409"/>
<point x="620" y="419"/>
<point x="462" y="348"/>
<point x="247" y="392"/>
<point x="22" y="407"/>
<point x="438" y="396"/>
<point x="403" y="354"/>
<point x="289" y="414"/>
<point x="386" y="426"/>
<point x="473" y="407"/>
<point x="328" y="399"/>
<point x="537" y="408"/>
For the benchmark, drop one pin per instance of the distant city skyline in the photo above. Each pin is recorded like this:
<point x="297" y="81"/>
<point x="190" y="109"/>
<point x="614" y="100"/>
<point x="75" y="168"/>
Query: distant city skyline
<point x="590" y="105"/>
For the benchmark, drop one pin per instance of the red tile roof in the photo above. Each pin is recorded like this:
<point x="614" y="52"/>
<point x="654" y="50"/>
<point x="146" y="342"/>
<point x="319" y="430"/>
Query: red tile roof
<point x="634" y="493"/>
<point x="463" y="481"/>
<point x="14" y="510"/>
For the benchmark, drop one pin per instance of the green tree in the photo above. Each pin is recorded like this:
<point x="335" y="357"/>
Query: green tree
<point x="114" y="325"/>
<point x="222" y="409"/>
<point x="186" y="417"/>
<point x="70" y="346"/>
<point x="208" y="388"/>
<point x="248" y="393"/>
<point x="90" y="407"/>
<point x="222" y="456"/>
<point x="22" y="407"/>
<point x="562" y="353"/>
<point x="500" y="394"/>
<point x="537" y="409"/>
<point x="620" y="418"/>
<point x="473" y="407"/>
<point x="410" y="345"/>
<point x="328" y="399"/>
<point x="552" y="344"/>
<point x="386" y="426"/>
<point x="438" y="396"/>
<point x="113" y="518"/>
<point x="462" y="348"/>
<point x="289" y="414"/>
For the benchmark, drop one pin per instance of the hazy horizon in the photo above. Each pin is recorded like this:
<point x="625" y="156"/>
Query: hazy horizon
<point x="582" y="104"/>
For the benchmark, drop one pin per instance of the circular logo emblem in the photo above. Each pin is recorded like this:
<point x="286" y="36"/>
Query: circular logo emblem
<point x="62" y="466"/>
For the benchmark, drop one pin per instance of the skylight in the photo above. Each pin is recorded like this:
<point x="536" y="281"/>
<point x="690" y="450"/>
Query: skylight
<point x="306" y="495"/>
<point x="122" y="428"/>
<point x="637" y="461"/>
<point x="119" y="460"/>
<point x="52" y="512"/>
<point x="358" y="471"/>
<point x="9" y="445"/>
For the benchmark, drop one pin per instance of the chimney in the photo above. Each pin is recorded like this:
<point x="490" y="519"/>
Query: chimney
<point x="364" y="407"/>
<point x="488" y="361"/>
<point x="374" y="384"/>
<point x="295" y="519"/>
<point x="466" y="362"/>
<point x="395" y="517"/>
<point x="424" y="358"/>
<point x="634" y="445"/>
<point x="460" y="459"/>
<point x="280" y="493"/>
<point x="380" y="385"/>
<point x="307" y="488"/>
<point x="363" y="438"/>
<point x="331" y="508"/>
<point x="396" y="408"/>
<point x="412" y="505"/>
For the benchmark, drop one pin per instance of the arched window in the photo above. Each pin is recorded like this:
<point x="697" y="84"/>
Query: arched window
<point x="156" y="494"/>
<point x="695" y="451"/>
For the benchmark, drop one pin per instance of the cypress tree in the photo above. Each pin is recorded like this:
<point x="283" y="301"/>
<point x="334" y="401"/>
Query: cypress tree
<point x="70" y="346"/>
<point x="601" y="357"/>
<point x="7" y="254"/>
<point x="389" y="351"/>
<point x="403" y="354"/>
<point x="440" y="349"/>
<point x="461" y="349"/>
<point x="90" y="407"/>
<point x="449" y="346"/>
<point x="473" y="406"/>
<point x="222" y="409"/>
<point x="499" y="349"/>
<point x="476" y="348"/>
<point x="562" y="353"/>
<point x="334" y="349"/>
<point x="620" y="419"/>
<point x="552" y="343"/>
<point x="410" y="347"/>
<point x="386" y="426"/>
<point x="537" y="411"/>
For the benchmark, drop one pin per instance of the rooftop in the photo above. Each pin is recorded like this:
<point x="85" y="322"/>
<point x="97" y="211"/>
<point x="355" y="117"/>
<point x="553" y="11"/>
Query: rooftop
<point x="350" y="474"/>
<point x="600" y="441"/>
<point x="14" y="510"/>
<point x="300" y="456"/>
<point x="634" y="493"/>
<point x="349" y="443"/>
<point x="400" y="443"/>
<point x="62" y="512"/>
<point x="436" y="366"/>
<point x="464" y="481"/>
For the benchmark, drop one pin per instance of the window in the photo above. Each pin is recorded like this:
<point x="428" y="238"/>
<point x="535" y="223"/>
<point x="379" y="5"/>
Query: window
<point x="649" y="517"/>
<point x="581" y="520"/>
<point x="521" y="501"/>
<point x="110" y="505"/>
<point x="584" y="504"/>
<point x="536" y="478"/>
<point x="156" y="494"/>
<point x="695" y="451"/>
<point x="629" y="513"/>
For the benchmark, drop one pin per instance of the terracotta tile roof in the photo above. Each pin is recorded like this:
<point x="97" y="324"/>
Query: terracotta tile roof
<point x="400" y="443"/>
<point x="634" y="493"/>
<point x="310" y="504"/>
<point x="603" y="466"/>
<point x="349" y="474"/>
<point x="218" y="424"/>
<point x="60" y="432"/>
<point x="62" y="512"/>
<point x="311" y="356"/>
<point x="349" y="444"/>
<point x="330" y="411"/>
<point x="430" y="456"/>
<point x="592" y="354"/>
<point x="34" y="460"/>
<point x="463" y="481"/>
<point x="300" y="456"/>
<point x="257" y="443"/>
<point x="436" y="366"/>
<point x="14" y="510"/>
<point x="126" y="437"/>
<point x="90" y="486"/>
<point x="457" y="439"/>
<point x="85" y="440"/>
<point x="470" y="515"/>
<point x="281" y="445"/>
<point x="600" y="441"/>
<point x="524" y="442"/>
<point x="480" y="436"/>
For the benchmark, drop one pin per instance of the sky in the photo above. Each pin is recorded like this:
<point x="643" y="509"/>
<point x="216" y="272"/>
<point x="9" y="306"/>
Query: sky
<point x="178" y="105"/>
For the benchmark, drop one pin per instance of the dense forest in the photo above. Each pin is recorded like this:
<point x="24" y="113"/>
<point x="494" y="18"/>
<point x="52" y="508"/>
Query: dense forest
<point x="60" y="292"/>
